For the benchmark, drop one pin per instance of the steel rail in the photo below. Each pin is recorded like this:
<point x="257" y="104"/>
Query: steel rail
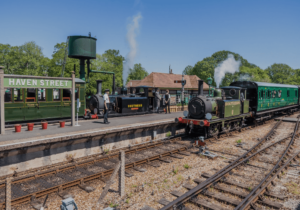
<point x="76" y="182"/>
<point x="263" y="188"/>
<point x="196" y="190"/>
<point x="244" y="203"/>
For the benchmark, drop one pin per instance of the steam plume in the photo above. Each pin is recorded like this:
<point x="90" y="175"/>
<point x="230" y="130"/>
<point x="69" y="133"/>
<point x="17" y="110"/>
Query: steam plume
<point x="230" y="65"/>
<point x="132" y="30"/>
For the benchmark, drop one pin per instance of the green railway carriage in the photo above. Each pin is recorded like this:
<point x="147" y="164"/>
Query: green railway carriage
<point x="272" y="96"/>
<point x="267" y="98"/>
<point x="27" y="104"/>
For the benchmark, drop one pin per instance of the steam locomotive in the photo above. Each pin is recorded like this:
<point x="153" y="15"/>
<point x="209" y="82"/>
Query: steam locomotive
<point x="138" y="100"/>
<point x="231" y="106"/>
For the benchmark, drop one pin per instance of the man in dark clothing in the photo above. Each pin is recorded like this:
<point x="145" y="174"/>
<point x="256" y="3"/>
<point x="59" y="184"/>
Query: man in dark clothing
<point x="106" y="104"/>
<point x="167" y="101"/>
<point x="157" y="100"/>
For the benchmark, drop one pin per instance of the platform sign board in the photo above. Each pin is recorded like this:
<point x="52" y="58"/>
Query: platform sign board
<point x="36" y="83"/>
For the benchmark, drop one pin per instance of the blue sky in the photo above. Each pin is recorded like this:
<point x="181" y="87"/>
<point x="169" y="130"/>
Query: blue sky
<point x="173" y="32"/>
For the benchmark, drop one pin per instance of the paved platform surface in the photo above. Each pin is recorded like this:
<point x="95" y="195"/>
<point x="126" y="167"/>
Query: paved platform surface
<point x="53" y="131"/>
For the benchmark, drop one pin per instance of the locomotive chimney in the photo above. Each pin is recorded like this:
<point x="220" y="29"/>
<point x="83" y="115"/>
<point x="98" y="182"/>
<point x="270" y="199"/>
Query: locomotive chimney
<point x="200" y="87"/>
<point x="99" y="87"/>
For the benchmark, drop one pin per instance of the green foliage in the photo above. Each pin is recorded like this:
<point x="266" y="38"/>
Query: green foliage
<point x="168" y="134"/>
<point x="110" y="61"/>
<point x="205" y="68"/>
<point x="137" y="73"/>
<point x="283" y="74"/>
<point x="239" y="141"/>
<point x="112" y="205"/>
<point x="186" y="166"/>
<point x="175" y="171"/>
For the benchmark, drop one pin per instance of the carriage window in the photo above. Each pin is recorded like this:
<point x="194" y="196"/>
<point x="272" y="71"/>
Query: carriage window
<point x="30" y="95"/>
<point x="18" y="96"/>
<point x="296" y="93"/>
<point x="264" y="94"/>
<point x="279" y="93"/>
<point x="288" y="93"/>
<point x="7" y="95"/>
<point x="56" y="94"/>
<point x="42" y="94"/>
<point x="67" y="95"/>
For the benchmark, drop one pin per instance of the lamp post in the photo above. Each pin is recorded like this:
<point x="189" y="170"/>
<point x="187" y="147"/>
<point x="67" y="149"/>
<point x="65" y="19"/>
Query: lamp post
<point x="209" y="81"/>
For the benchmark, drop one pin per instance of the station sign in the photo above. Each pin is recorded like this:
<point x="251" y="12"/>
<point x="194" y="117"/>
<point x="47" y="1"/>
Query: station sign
<point x="36" y="83"/>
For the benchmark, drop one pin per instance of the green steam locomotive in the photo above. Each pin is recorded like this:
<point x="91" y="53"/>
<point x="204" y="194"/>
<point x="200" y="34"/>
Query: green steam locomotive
<point x="231" y="106"/>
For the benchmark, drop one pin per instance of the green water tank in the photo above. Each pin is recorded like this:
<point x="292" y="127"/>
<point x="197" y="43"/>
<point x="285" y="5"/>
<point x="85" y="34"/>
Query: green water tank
<point x="82" y="47"/>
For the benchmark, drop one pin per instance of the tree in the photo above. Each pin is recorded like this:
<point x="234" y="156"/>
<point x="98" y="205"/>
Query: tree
<point x="283" y="74"/>
<point x="188" y="70"/>
<point x="206" y="68"/>
<point x="56" y="63"/>
<point x="137" y="73"/>
<point x="110" y="61"/>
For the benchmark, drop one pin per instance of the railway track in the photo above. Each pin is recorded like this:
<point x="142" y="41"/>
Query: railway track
<point x="58" y="179"/>
<point x="229" y="193"/>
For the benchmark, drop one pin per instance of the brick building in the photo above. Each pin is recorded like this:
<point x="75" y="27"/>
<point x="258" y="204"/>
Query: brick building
<point x="165" y="81"/>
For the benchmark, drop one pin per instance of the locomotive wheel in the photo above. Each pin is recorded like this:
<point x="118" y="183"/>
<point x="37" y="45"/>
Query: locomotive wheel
<point x="236" y="125"/>
<point x="226" y="127"/>
<point x="213" y="131"/>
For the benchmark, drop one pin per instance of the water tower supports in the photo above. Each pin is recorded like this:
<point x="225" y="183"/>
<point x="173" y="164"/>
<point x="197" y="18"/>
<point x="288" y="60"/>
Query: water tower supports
<point x="82" y="69"/>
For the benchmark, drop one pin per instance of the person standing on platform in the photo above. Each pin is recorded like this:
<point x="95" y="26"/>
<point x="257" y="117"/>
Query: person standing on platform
<point x="167" y="101"/>
<point x="157" y="100"/>
<point x="106" y="104"/>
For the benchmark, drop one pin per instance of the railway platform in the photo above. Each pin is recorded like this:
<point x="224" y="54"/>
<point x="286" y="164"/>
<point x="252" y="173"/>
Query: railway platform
<point x="40" y="147"/>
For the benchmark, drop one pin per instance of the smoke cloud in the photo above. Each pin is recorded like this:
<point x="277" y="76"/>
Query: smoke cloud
<point x="132" y="30"/>
<point x="230" y="65"/>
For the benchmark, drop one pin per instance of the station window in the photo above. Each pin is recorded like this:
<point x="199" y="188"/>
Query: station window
<point x="288" y="93"/>
<point x="18" y="95"/>
<point x="56" y="94"/>
<point x="41" y="94"/>
<point x="67" y="95"/>
<point x="30" y="95"/>
<point x="7" y="95"/>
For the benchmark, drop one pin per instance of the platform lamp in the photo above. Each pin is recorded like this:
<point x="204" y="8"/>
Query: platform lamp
<point x="209" y="81"/>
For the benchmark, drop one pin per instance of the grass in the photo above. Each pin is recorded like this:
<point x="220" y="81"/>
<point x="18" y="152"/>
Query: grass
<point x="168" y="134"/>
<point x="165" y="180"/>
<point x="113" y="205"/>
<point x="293" y="188"/>
<point x="175" y="171"/>
<point x="127" y="200"/>
<point x="249" y="188"/>
<point x="106" y="151"/>
<point x="134" y="185"/>
<point x="239" y="141"/>
<point x="179" y="178"/>
<point x="186" y="166"/>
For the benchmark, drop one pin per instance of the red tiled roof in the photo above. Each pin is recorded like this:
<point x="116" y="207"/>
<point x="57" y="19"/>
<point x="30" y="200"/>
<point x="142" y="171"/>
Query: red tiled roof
<point x="165" y="80"/>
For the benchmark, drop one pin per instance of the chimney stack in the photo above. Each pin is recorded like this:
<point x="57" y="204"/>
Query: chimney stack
<point x="200" y="87"/>
<point x="99" y="87"/>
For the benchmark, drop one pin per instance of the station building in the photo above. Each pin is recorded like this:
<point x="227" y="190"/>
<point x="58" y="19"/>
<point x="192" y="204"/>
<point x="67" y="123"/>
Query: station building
<point x="164" y="81"/>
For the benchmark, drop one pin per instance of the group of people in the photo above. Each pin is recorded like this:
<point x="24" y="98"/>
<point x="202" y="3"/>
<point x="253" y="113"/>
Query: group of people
<point x="158" y="98"/>
<point x="166" y="99"/>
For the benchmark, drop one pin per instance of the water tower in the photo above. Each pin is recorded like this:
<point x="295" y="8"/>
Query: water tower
<point x="82" y="48"/>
